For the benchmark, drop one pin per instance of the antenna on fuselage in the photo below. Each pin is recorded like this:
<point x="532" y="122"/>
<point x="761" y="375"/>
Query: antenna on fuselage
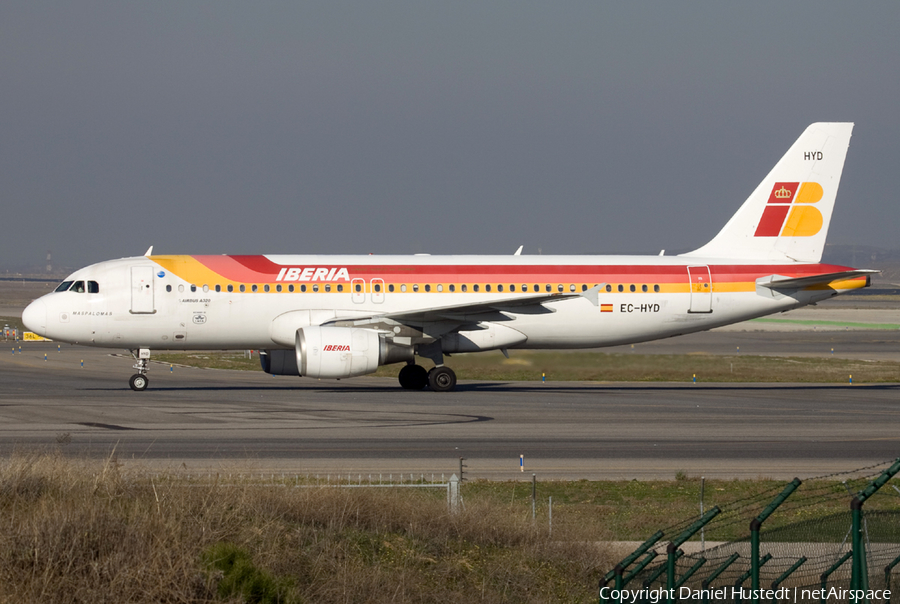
<point x="519" y="251"/>
<point x="149" y="251"/>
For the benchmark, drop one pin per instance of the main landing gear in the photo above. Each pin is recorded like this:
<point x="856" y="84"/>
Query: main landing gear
<point x="139" y="381"/>
<point x="439" y="379"/>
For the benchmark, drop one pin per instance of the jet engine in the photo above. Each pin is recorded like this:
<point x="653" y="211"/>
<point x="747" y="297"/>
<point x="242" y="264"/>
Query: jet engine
<point x="335" y="352"/>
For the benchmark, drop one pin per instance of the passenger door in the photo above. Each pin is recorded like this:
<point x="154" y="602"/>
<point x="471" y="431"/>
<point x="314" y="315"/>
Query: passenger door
<point x="142" y="290"/>
<point x="701" y="289"/>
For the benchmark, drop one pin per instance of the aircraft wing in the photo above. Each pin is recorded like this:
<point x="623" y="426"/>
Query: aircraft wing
<point x="459" y="314"/>
<point x="782" y="283"/>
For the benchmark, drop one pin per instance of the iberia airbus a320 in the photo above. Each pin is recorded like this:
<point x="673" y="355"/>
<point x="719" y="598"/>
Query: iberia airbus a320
<point x="344" y="316"/>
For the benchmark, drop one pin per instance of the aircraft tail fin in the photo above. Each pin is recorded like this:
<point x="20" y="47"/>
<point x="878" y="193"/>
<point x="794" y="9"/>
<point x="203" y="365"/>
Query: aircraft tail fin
<point x="786" y="218"/>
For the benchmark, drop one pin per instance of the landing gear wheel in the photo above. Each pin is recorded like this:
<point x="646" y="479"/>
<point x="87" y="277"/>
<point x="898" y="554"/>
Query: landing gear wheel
<point x="138" y="382"/>
<point x="413" y="377"/>
<point x="442" y="379"/>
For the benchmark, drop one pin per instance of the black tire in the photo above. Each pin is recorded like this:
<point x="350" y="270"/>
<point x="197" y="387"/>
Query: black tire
<point x="139" y="382"/>
<point x="413" y="377"/>
<point x="442" y="379"/>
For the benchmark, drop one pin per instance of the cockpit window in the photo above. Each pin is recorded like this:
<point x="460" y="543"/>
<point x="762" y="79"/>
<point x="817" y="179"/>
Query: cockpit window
<point x="93" y="287"/>
<point x="78" y="287"/>
<point x="64" y="286"/>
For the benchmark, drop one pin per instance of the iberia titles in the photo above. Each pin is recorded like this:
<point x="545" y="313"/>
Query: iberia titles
<point x="313" y="274"/>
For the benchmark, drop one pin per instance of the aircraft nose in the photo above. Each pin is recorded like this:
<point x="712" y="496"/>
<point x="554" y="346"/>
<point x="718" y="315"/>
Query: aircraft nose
<point x="35" y="317"/>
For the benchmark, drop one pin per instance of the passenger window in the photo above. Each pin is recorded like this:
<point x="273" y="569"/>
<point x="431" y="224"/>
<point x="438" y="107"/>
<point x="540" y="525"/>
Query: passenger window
<point x="500" y="288"/>
<point x="315" y="287"/>
<point x="643" y="288"/>
<point x="427" y="287"/>
<point x="243" y="288"/>
<point x="621" y="287"/>
<point x="559" y="288"/>
<point x="254" y="289"/>
<point x="218" y="288"/>
<point x="512" y="288"/>
<point x="64" y="286"/>
<point x="193" y="288"/>
<point x="230" y="288"/>
<point x="266" y="287"/>
<point x="168" y="288"/>
<point x="340" y="287"/>
<point x="93" y="287"/>
<point x="631" y="287"/>
<point x="358" y="287"/>
<point x="583" y="287"/>
<point x="403" y="287"/>
<point x="475" y="288"/>
<point x="328" y="287"/>
<point x="572" y="287"/>
<point x="415" y="287"/>
<point x="180" y="288"/>
<point x="608" y="287"/>
<point x="487" y="287"/>
<point x="536" y="288"/>
<point x="656" y="288"/>
<point x="452" y="287"/>
<point x="464" y="287"/>
<point x="547" y="287"/>
<point x="440" y="287"/>
<point x="278" y="287"/>
<point x="205" y="288"/>
<point x="377" y="288"/>
<point x="391" y="287"/>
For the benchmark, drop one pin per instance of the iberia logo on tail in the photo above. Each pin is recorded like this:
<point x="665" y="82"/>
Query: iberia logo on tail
<point x="789" y="212"/>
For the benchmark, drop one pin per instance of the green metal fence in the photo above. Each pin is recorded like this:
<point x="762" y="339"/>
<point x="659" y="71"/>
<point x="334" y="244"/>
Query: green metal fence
<point x="793" y="549"/>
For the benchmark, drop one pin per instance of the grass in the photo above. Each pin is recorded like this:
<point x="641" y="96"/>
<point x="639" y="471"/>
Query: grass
<point x="78" y="531"/>
<point x="73" y="531"/>
<point x="615" y="367"/>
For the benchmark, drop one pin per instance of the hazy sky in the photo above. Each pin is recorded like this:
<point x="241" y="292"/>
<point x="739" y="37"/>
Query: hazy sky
<point x="453" y="127"/>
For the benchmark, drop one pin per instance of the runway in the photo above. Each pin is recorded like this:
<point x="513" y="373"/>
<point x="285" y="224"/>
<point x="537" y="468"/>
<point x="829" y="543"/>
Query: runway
<point x="241" y="421"/>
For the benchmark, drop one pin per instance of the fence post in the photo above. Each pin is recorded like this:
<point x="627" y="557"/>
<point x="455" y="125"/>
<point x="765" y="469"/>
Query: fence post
<point x="453" y="493"/>
<point x="824" y="577"/>
<point x="690" y="572"/>
<point x="627" y="560"/>
<point x="639" y="567"/>
<point x="887" y="574"/>
<point x="746" y="575"/>
<point x="755" y="525"/>
<point x="787" y="573"/>
<point x="676" y="543"/>
<point x="704" y="586"/>
<point x="660" y="570"/>
<point x="859" y="579"/>
<point x="533" y="495"/>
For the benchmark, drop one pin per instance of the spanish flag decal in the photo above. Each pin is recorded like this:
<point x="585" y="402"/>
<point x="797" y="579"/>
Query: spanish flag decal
<point x="606" y="308"/>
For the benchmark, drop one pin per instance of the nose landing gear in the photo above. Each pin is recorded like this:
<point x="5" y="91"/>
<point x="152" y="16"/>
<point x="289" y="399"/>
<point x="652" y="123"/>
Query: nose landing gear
<point x="139" y="381"/>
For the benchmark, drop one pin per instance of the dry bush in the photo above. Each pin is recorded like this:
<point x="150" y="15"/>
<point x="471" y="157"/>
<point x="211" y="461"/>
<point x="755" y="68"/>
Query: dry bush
<point x="74" y="531"/>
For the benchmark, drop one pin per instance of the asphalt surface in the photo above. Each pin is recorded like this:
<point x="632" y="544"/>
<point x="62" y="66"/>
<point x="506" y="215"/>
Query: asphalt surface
<point x="213" y="420"/>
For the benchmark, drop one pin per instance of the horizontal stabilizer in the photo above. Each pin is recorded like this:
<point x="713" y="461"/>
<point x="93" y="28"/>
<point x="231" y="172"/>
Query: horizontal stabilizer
<point x="783" y="283"/>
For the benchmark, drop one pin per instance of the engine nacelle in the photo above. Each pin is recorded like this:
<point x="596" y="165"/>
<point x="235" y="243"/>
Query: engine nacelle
<point x="341" y="352"/>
